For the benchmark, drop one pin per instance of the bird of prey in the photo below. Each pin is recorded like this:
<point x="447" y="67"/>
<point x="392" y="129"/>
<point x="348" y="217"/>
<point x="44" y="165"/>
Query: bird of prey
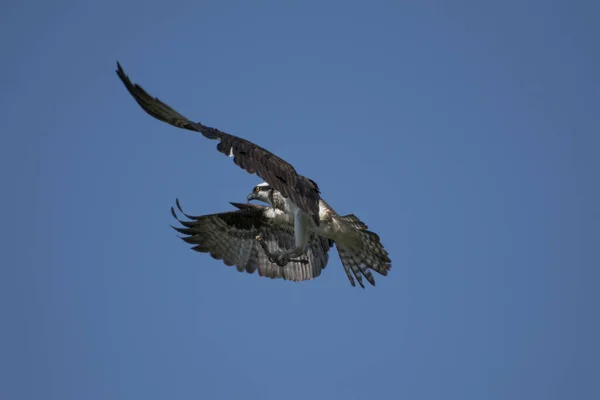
<point x="289" y="237"/>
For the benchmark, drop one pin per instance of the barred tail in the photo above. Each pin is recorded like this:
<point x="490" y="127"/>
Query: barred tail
<point x="368" y="253"/>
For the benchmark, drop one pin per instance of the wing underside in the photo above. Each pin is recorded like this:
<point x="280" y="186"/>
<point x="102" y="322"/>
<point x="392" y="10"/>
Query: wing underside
<point x="231" y="237"/>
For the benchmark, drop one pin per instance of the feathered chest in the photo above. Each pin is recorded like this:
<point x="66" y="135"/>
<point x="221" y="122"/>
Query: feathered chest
<point x="329" y="224"/>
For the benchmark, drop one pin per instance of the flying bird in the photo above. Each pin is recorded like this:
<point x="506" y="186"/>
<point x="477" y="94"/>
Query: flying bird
<point x="289" y="237"/>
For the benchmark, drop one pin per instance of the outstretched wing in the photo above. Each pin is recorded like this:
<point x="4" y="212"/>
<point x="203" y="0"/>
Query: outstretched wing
<point x="231" y="237"/>
<point x="370" y="255"/>
<point x="275" y="171"/>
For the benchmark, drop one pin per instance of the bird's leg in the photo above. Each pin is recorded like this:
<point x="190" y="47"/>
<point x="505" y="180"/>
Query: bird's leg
<point x="281" y="257"/>
<point x="301" y="235"/>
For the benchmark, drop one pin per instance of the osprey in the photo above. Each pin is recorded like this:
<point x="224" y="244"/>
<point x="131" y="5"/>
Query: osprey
<point x="288" y="238"/>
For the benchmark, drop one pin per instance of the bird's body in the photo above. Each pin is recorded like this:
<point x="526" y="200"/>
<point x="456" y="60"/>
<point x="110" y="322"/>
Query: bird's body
<point x="330" y="225"/>
<point x="283" y="209"/>
<point x="295" y="230"/>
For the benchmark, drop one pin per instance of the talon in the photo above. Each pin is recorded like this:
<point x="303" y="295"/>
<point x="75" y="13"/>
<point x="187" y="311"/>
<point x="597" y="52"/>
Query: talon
<point x="258" y="238"/>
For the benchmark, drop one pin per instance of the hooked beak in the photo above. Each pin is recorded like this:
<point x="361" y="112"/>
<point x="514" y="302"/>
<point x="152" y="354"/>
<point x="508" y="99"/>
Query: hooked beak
<point x="252" y="196"/>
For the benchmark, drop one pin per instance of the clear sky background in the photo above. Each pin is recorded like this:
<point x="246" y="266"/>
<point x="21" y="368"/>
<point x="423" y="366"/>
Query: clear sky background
<point x="466" y="134"/>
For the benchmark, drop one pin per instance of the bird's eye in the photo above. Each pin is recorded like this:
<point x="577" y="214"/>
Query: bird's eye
<point x="257" y="189"/>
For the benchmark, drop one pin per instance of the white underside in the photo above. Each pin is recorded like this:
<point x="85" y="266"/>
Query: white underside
<point x="304" y="224"/>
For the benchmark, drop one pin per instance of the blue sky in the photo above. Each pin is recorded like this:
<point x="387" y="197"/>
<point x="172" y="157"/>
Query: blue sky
<point x="464" y="134"/>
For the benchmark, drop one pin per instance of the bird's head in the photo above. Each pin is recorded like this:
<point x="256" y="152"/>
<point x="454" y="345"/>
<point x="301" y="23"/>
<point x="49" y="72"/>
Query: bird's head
<point x="261" y="193"/>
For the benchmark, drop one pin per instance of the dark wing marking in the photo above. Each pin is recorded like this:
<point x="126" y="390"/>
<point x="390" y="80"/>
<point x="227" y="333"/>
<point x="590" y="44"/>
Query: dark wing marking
<point x="374" y="254"/>
<point x="231" y="237"/>
<point x="352" y="262"/>
<point x="354" y="221"/>
<point x="278" y="173"/>
<point x="369" y="255"/>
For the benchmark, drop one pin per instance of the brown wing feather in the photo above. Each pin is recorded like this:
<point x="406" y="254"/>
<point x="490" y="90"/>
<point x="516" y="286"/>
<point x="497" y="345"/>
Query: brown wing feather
<point x="256" y="160"/>
<point x="230" y="237"/>
<point x="370" y="255"/>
